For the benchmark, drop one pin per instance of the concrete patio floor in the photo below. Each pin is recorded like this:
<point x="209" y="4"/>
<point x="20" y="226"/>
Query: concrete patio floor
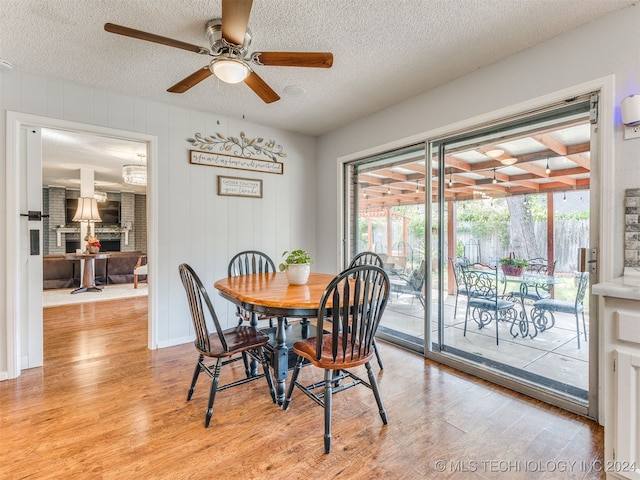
<point x="553" y="354"/>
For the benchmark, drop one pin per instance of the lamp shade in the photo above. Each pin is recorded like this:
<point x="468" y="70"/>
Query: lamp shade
<point x="87" y="210"/>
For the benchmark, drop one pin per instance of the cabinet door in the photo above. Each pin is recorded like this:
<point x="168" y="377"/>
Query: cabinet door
<point x="626" y="462"/>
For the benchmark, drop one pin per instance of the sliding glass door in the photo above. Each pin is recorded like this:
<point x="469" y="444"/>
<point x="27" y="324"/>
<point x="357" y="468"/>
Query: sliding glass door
<point x="513" y="208"/>
<point x="386" y="215"/>
<point x="439" y="213"/>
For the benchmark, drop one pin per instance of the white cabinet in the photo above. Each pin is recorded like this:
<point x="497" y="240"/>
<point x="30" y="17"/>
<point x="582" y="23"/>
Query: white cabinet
<point x="621" y="387"/>
<point x="627" y="409"/>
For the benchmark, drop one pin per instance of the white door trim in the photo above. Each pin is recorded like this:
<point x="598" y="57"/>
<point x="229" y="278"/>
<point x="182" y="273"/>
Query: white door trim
<point x="15" y="121"/>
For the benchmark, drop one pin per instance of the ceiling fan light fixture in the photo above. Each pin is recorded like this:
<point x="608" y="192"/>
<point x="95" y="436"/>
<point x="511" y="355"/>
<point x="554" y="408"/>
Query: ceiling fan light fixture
<point x="229" y="69"/>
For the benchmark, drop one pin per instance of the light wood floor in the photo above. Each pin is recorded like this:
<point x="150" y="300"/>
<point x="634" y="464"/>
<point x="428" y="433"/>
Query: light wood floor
<point x="103" y="406"/>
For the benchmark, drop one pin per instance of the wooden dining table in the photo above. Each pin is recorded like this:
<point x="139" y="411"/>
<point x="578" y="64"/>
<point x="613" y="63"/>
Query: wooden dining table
<point x="271" y="294"/>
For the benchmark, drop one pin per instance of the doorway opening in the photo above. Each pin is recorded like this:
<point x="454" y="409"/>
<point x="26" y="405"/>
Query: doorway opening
<point x="121" y="229"/>
<point x="24" y="334"/>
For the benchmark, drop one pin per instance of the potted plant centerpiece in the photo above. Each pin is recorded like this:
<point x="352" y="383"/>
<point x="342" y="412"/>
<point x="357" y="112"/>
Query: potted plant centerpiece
<point x="512" y="266"/>
<point x="297" y="264"/>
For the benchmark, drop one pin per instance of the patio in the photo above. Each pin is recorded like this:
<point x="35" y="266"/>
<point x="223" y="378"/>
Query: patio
<point x="552" y="358"/>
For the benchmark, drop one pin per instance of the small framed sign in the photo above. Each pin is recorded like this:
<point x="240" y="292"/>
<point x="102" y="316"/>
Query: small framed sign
<point x="239" y="187"/>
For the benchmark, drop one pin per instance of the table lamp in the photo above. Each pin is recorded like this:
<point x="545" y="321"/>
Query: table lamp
<point x="87" y="214"/>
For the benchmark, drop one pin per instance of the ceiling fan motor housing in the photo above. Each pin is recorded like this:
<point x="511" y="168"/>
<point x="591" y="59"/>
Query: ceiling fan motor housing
<point x="213" y="30"/>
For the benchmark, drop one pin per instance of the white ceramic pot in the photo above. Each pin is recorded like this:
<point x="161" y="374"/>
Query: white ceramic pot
<point x="298" y="273"/>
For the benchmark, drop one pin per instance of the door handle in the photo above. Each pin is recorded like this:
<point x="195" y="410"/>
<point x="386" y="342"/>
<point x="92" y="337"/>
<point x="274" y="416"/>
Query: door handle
<point x="34" y="216"/>
<point x="588" y="260"/>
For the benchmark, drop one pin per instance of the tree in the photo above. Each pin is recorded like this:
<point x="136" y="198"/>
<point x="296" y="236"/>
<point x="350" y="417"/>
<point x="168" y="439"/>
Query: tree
<point x="521" y="232"/>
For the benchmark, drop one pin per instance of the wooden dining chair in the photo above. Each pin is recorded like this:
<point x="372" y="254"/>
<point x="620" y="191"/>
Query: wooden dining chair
<point x="355" y="299"/>
<point x="366" y="258"/>
<point x="369" y="258"/>
<point x="223" y="346"/>
<point x="246" y="263"/>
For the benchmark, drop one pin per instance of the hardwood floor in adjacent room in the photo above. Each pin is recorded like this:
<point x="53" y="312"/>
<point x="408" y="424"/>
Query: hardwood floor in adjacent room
<point x="104" y="406"/>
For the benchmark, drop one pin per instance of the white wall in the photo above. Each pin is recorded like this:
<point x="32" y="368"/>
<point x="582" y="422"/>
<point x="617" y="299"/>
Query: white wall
<point x="610" y="45"/>
<point x="195" y="225"/>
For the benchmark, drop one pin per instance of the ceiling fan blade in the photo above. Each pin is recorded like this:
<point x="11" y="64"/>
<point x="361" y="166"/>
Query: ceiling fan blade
<point x="150" y="37"/>
<point x="191" y="81"/>
<point x="296" y="59"/>
<point x="259" y="86"/>
<point x="235" y="18"/>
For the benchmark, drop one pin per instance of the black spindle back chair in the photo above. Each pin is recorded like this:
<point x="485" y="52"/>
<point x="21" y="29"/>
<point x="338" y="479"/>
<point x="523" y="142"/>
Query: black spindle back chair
<point x="246" y="263"/>
<point x="222" y="345"/>
<point x="353" y="303"/>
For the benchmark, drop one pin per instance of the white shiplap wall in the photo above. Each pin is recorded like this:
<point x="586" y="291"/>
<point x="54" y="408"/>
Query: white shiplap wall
<point x="194" y="224"/>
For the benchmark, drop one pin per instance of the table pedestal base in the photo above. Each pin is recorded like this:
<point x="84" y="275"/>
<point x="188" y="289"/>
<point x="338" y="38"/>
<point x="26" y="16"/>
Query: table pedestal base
<point x="88" y="276"/>
<point x="94" y="288"/>
<point x="279" y="351"/>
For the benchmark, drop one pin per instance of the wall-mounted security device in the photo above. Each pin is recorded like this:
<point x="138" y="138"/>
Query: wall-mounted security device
<point x="630" y="110"/>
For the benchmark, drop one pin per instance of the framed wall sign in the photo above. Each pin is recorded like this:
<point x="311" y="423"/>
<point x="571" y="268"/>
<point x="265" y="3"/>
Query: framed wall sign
<point x="239" y="187"/>
<point x="240" y="163"/>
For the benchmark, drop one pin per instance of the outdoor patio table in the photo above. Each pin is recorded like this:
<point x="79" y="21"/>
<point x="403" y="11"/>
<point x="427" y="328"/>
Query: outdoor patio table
<point x="525" y="325"/>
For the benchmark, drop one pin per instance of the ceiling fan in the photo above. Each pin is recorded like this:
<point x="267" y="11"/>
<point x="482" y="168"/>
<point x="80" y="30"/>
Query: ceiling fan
<point x="229" y="39"/>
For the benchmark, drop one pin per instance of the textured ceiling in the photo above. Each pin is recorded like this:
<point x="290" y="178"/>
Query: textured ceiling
<point x="384" y="52"/>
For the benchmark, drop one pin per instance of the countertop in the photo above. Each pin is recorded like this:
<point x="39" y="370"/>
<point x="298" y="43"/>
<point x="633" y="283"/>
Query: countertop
<point x="627" y="286"/>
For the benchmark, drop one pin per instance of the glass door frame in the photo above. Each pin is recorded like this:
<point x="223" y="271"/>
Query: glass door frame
<point x="388" y="159"/>
<point x="603" y="200"/>
<point x="435" y="316"/>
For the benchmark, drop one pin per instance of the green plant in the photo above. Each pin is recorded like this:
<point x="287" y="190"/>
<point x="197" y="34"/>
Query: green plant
<point x="294" y="257"/>
<point x="512" y="261"/>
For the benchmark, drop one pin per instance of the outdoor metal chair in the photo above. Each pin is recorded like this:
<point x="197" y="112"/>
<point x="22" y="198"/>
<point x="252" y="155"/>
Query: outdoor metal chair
<point x="355" y="300"/>
<point x="461" y="289"/>
<point x="543" y="310"/>
<point x="412" y="284"/>
<point x="222" y="345"/>
<point x="484" y="304"/>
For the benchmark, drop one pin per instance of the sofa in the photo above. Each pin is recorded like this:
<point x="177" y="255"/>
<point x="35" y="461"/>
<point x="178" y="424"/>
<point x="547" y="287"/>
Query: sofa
<point x="57" y="272"/>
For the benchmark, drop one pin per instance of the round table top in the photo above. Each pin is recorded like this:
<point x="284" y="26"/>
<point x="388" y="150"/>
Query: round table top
<point x="85" y="256"/>
<point x="272" y="292"/>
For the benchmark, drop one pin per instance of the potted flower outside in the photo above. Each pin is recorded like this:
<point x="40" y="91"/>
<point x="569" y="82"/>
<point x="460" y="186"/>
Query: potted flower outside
<point x="512" y="266"/>
<point x="297" y="265"/>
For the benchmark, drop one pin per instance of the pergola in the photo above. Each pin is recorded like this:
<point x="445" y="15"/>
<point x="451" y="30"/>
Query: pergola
<point x="556" y="159"/>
